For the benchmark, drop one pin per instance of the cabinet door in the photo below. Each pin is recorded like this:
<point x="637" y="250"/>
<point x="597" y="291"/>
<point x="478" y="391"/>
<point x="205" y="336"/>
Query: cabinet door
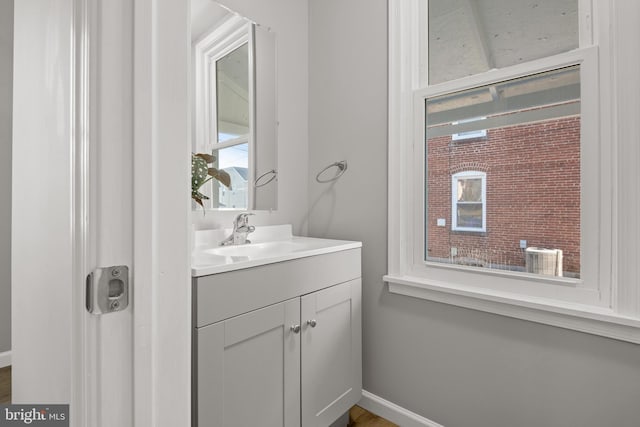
<point x="248" y="369"/>
<point x="331" y="353"/>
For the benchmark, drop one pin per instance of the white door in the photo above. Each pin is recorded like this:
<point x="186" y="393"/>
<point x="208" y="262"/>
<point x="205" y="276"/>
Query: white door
<point x="77" y="205"/>
<point x="331" y="353"/>
<point x="72" y="205"/>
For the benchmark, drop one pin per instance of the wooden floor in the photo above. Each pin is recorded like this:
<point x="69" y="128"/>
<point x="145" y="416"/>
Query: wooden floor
<point x="5" y="385"/>
<point x="358" y="417"/>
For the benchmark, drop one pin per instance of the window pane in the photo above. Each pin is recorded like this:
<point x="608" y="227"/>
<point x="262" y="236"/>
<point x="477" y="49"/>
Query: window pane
<point x="531" y="160"/>
<point x="235" y="161"/>
<point x="470" y="190"/>
<point x="470" y="215"/>
<point x="232" y="94"/>
<point x="468" y="37"/>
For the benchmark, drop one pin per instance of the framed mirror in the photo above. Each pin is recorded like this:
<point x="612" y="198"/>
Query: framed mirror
<point x="234" y="106"/>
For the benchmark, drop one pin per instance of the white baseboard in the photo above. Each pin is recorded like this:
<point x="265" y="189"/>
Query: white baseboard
<point x="394" y="413"/>
<point x="5" y="359"/>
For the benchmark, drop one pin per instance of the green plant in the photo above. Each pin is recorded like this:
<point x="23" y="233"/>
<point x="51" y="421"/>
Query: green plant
<point x="201" y="173"/>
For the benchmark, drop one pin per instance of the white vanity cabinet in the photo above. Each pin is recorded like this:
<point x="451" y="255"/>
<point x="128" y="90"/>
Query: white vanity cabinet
<point x="249" y="369"/>
<point x="331" y="350"/>
<point x="278" y="345"/>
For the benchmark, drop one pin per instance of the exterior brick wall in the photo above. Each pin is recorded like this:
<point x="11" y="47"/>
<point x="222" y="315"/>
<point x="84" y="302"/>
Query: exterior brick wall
<point x="533" y="193"/>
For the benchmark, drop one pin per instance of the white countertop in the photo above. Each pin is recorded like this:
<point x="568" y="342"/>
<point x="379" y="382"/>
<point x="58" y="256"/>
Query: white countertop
<point x="269" y="244"/>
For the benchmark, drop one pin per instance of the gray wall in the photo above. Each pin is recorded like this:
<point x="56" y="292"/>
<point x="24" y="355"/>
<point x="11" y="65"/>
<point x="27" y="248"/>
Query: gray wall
<point x="458" y="367"/>
<point x="6" y="92"/>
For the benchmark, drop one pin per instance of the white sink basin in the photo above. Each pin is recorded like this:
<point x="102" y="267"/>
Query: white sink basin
<point x="257" y="250"/>
<point x="209" y="257"/>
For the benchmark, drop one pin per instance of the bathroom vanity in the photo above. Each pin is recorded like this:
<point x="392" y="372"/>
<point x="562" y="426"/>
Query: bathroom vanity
<point x="276" y="332"/>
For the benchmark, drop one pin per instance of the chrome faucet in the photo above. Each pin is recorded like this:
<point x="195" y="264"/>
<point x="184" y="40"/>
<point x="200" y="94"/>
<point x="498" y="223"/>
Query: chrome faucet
<point x="241" y="229"/>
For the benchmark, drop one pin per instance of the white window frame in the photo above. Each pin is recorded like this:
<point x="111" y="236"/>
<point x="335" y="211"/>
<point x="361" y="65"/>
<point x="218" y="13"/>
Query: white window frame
<point x="454" y="200"/>
<point x="598" y="302"/>
<point x="226" y="37"/>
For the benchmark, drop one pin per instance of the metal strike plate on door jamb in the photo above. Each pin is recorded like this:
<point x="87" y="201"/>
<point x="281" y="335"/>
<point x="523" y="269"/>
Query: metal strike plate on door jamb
<point x="107" y="289"/>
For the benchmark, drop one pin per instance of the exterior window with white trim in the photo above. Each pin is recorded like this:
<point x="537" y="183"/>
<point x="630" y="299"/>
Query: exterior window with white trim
<point x="468" y="201"/>
<point x="471" y="134"/>
<point x="516" y="112"/>
<point x="538" y="187"/>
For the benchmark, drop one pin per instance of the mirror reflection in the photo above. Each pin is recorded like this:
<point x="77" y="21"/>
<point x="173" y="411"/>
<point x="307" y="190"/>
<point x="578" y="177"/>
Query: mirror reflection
<point x="234" y="107"/>
<point x="232" y="95"/>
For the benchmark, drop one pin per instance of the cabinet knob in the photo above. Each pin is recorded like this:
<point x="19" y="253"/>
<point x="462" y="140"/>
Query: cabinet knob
<point x="312" y="323"/>
<point x="295" y="329"/>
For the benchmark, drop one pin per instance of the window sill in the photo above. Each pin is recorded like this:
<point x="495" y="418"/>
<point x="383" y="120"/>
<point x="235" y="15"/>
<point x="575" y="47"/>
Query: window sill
<point x="462" y="232"/>
<point x="583" y="318"/>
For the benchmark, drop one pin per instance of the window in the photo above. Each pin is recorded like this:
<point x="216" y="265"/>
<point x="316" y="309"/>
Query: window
<point x="469" y="134"/>
<point x="230" y="110"/>
<point x="519" y="116"/>
<point x="234" y="160"/>
<point x="532" y="146"/>
<point x="468" y="211"/>
<point x="223" y="109"/>
<point x="539" y="182"/>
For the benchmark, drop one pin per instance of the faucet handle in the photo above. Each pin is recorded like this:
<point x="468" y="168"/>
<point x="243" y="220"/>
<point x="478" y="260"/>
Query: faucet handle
<point x="242" y="219"/>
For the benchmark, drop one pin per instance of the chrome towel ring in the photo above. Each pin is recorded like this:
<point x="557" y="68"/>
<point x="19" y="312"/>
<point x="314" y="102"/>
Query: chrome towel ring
<point x="272" y="172"/>
<point x="341" y="165"/>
